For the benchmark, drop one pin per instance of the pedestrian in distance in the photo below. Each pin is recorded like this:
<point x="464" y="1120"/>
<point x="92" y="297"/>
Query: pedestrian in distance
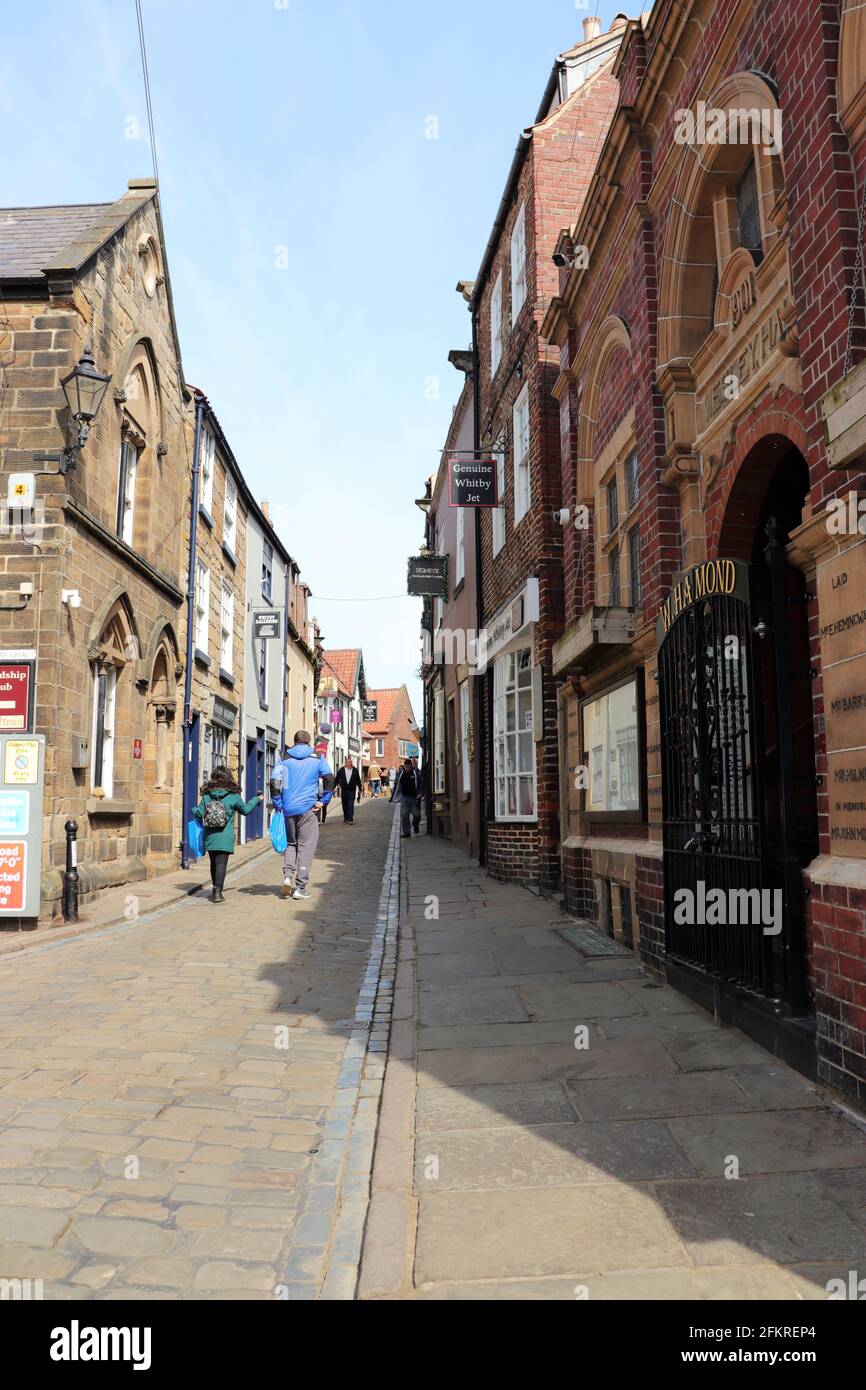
<point x="348" y="784"/>
<point x="221" y="800"/>
<point x="392" y="777"/>
<point x="375" y="779"/>
<point x="405" y="790"/>
<point x="301" y="786"/>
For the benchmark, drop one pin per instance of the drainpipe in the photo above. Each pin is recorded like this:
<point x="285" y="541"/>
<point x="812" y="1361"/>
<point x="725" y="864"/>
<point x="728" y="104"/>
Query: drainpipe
<point x="285" y="664"/>
<point x="479" y="605"/>
<point x="190" y="616"/>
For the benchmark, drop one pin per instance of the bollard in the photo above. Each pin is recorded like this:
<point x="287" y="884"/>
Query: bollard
<point x="70" y="874"/>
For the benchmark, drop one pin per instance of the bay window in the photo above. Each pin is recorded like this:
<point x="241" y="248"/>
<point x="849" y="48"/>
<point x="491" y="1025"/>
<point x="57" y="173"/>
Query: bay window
<point x="514" y="737"/>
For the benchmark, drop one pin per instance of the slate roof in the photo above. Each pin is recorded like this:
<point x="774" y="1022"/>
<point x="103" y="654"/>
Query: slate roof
<point x="36" y="240"/>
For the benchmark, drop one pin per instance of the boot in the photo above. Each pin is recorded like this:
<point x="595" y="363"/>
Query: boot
<point x="218" y="895"/>
<point x="214" y="892"/>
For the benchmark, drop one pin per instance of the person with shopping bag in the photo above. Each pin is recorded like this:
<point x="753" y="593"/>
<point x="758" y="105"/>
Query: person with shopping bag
<point x="296" y="792"/>
<point x="221" y="801"/>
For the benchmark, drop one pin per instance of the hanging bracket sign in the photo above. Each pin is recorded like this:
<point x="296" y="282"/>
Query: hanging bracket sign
<point x="267" y="623"/>
<point x="428" y="576"/>
<point x="471" y="482"/>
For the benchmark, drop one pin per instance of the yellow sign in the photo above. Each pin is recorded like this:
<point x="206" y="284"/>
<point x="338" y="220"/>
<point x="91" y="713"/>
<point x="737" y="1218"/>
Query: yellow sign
<point x="712" y="577"/>
<point x="22" y="761"/>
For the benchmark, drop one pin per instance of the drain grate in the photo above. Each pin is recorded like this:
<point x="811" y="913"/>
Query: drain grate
<point x="592" y="942"/>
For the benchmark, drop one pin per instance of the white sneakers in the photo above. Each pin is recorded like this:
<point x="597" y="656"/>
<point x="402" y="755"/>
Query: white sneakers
<point x="301" y="893"/>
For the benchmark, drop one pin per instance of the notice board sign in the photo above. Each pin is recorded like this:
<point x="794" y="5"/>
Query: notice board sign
<point x="428" y="576"/>
<point x="22" y="780"/>
<point x="471" y="482"/>
<point x="16" y="696"/>
<point x="371" y="711"/>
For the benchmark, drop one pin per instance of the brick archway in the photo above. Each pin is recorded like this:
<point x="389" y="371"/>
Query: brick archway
<point x="734" y="504"/>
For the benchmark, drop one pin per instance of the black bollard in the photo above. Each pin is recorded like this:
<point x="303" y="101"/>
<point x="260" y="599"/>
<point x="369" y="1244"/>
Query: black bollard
<point x="70" y="873"/>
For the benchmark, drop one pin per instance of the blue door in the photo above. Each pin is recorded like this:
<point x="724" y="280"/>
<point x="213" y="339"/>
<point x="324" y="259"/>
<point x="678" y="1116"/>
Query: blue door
<point x="255" y="783"/>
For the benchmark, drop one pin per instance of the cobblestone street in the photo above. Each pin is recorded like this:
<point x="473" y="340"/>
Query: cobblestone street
<point x="157" y="1138"/>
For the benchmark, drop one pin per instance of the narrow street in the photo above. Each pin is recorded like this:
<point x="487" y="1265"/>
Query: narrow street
<point x="162" y="1136"/>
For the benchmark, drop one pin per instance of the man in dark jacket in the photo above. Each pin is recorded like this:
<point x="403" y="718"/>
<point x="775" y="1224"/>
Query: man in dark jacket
<point x="348" y="784"/>
<point x="421" y="777"/>
<point x="406" y="791"/>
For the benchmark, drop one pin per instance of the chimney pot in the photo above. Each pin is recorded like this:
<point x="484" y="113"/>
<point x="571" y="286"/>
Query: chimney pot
<point x="266" y="509"/>
<point x="591" y="27"/>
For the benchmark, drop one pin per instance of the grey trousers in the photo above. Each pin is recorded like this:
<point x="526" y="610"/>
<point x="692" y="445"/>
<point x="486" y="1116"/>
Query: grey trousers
<point x="302" y="833"/>
<point x="407" y="811"/>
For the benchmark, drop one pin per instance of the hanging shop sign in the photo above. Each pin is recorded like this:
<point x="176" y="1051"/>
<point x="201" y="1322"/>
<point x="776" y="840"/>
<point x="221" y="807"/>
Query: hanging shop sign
<point x="712" y="579"/>
<point x="428" y="575"/>
<point x="16" y="696"/>
<point x="268" y="623"/>
<point x="471" y="482"/>
<point x="371" y="711"/>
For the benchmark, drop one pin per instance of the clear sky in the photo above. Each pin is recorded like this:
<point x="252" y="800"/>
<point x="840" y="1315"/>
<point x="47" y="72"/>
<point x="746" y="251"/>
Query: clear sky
<point x="315" y="234"/>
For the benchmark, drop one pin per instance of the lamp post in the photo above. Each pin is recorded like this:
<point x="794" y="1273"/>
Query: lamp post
<point x="84" y="389"/>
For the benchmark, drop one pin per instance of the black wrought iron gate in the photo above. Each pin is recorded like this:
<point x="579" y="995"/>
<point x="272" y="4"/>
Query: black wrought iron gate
<point x="712" y="793"/>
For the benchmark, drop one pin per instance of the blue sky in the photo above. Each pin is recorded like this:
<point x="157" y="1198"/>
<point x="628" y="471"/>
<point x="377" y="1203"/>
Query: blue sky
<point x="315" y="234"/>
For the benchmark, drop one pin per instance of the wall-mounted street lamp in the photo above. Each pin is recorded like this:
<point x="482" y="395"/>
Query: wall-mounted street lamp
<point x="84" y="389"/>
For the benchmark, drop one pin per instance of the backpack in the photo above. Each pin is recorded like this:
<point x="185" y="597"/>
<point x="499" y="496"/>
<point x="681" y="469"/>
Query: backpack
<point x="215" y="816"/>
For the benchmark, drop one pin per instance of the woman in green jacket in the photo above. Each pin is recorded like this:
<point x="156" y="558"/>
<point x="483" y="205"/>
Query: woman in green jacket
<point x="220" y="800"/>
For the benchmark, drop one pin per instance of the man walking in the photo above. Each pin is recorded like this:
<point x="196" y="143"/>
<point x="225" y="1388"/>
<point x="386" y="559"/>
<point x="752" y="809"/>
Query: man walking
<point x="348" y="784"/>
<point x="406" y="790"/>
<point x="374" y="774"/>
<point x="421" y="778"/>
<point x="295" y="791"/>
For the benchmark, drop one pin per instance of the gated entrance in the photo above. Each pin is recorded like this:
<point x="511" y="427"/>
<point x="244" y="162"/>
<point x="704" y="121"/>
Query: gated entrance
<point x="719" y="670"/>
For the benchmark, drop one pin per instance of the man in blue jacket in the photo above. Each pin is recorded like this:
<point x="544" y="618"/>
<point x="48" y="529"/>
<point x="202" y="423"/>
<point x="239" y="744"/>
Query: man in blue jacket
<point x="295" y="790"/>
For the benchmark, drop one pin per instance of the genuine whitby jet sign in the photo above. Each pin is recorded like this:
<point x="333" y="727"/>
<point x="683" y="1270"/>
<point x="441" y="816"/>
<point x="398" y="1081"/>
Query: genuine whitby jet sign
<point x="428" y="576"/>
<point x="713" y="578"/>
<point x="471" y="482"/>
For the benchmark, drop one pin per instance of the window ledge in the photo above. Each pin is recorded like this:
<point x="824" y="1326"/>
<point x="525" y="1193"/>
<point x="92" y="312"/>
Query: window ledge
<point x="459" y="587"/>
<point x="109" y="806"/>
<point x="205" y="515"/>
<point x="266" y="594"/>
<point x="230" y="555"/>
<point x="202" y="658"/>
<point x="226" y="677"/>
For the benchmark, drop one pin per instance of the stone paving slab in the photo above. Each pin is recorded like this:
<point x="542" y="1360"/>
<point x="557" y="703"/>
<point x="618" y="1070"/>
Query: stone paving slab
<point x="694" y="1165"/>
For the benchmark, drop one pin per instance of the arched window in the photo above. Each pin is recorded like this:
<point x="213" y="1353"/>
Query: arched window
<point x="138" y="405"/>
<point x="748" y="214"/>
<point x="116" y="646"/>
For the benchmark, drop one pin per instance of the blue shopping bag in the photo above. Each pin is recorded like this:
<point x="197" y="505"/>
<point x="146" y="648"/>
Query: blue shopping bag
<point x="195" y="837"/>
<point x="278" y="832"/>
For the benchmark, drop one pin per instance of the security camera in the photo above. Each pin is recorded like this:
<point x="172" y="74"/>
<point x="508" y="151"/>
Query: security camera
<point x="559" y="260"/>
<point x="562" y="516"/>
<point x="71" y="597"/>
<point x="26" y="589"/>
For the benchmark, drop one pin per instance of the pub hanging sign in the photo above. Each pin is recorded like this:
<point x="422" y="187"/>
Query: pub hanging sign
<point x="712" y="579"/>
<point x="471" y="481"/>
<point x="428" y="576"/>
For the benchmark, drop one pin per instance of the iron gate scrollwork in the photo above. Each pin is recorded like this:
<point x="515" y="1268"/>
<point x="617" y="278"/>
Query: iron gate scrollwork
<point x="712" y="796"/>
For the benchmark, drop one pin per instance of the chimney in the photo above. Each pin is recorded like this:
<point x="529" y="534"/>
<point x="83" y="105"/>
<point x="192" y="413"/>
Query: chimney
<point x="266" y="509"/>
<point x="619" y="21"/>
<point x="591" y="27"/>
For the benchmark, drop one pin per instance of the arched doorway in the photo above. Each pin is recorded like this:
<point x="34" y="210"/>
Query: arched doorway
<point x="739" y="789"/>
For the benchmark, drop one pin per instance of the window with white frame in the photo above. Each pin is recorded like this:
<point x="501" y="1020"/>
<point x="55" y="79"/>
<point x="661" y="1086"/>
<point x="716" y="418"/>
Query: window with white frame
<point x="227" y="627"/>
<point x="380" y="747"/>
<point x="230" y="515"/>
<point x="263" y="672"/>
<point x="267" y="569"/>
<point x="513" y="737"/>
<point x="522" y="489"/>
<point x="465" y="731"/>
<point x="461" y="545"/>
<point x="208" y="449"/>
<point x="496" y="327"/>
<point x="219" y="746"/>
<point x="518" y="263"/>
<point x="129" y="456"/>
<point x="202" y="605"/>
<point x="102" y="739"/>
<point x="438" y="741"/>
<point x="499" y="509"/>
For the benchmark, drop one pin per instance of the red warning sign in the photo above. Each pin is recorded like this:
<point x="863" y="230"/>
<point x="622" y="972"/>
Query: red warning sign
<point x="13" y="867"/>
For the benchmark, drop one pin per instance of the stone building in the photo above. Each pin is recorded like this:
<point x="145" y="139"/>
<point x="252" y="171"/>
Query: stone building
<point x="518" y="423"/>
<point x="103" y="545"/>
<point x="711" y="671"/>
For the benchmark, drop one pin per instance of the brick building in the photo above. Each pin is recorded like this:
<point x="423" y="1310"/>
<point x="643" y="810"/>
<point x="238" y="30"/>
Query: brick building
<point x="711" y="671"/>
<point x="518" y="422"/>
<point x="393" y="734"/>
<point x="451" y="691"/>
<point x="341" y="692"/>
<point x="104" y="549"/>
